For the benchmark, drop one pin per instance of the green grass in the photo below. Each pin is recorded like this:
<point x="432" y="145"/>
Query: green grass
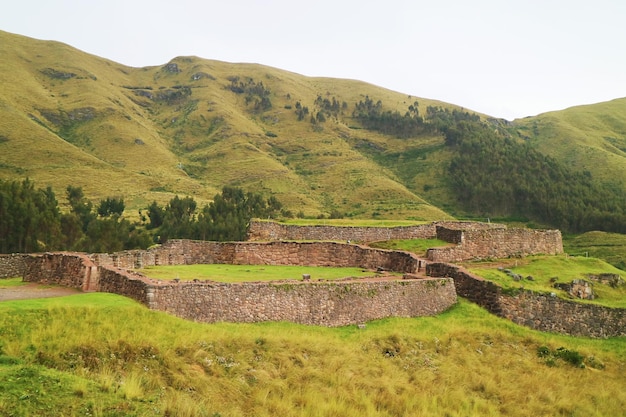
<point x="546" y="270"/>
<point x="610" y="247"/>
<point x="417" y="246"/>
<point x="349" y="222"/>
<point x="11" y="282"/>
<point x="588" y="137"/>
<point x="246" y="273"/>
<point x="106" y="356"/>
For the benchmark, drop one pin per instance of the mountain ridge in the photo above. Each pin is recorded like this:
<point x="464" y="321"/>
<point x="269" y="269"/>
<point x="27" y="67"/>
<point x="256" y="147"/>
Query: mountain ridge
<point x="192" y="126"/>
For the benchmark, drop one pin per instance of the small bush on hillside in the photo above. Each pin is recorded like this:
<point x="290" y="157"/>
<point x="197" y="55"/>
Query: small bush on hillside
<point x="572" y="357"/>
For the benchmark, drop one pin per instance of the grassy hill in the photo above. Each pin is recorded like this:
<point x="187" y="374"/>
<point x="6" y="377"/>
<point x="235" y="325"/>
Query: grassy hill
<point x="189" y="128"/>
<point x="192" y="126"/>
<point x="104" y="355"/>
<point x="591" y="137"/>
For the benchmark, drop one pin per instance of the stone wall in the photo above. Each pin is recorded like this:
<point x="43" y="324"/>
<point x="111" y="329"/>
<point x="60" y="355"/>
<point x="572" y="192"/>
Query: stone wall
<point x="126" y="283"/>
<point x="265" y="231"/>
<point x="333" y="254"/>
<point x="12" y="265"/>
<point x="73" y="270"/>
<point x="326" y="303"/>
<point x="495" y="243"/>
<point x="539" y="311"/>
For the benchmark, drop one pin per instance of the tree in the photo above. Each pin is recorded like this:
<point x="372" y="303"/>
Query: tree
<point x="80" y="206"/>
<point x="156" y="214"/>
<point x="29" y="218"/>
<point x="110" y="207"/>
<point x="178" y="219"/>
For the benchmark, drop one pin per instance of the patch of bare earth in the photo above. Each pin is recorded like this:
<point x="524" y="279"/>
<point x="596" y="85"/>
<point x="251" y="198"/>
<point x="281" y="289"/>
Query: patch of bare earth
<point x="33" y="290"/>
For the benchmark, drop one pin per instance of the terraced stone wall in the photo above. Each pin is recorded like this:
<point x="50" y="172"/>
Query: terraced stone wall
<point x="12" y="265"/>
<point x="317" y="303"/>
<point x="267" y="231"/>
<point x="544" y="312"/>
<point x="333" y="254"/>
<point x="495" y="243"/>
<point x="326" y="303"/>
<point x="73" y="270"/>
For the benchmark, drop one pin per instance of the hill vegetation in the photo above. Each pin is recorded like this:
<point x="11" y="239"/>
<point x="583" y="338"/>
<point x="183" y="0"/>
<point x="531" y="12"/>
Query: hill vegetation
<point x="30" y="220"/>
<point x="319" y="145"/>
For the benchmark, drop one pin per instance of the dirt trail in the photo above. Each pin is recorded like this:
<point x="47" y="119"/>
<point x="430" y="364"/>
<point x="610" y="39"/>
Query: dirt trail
<point x="33" y="290"/>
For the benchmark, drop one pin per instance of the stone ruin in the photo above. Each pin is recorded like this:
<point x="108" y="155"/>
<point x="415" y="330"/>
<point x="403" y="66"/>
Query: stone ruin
<point x="334" y="303"/>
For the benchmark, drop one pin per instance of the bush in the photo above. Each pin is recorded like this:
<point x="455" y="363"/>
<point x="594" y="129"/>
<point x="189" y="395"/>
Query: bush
<point x="572" y="357"/>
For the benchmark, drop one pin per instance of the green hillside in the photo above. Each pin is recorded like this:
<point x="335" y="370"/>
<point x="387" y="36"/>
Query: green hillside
<point x="591" y="137"/>
<point x="320" y="145"/>
<point x="189" y="128"/>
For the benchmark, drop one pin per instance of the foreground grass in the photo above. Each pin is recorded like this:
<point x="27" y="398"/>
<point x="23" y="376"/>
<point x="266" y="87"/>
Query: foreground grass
<point x="247" y="273"/>
<point x="548" y="270"/>
<point x="104" y="355"/>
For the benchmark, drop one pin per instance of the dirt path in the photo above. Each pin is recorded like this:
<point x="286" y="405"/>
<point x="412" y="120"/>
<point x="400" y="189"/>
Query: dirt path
<point x="33" y="290"/>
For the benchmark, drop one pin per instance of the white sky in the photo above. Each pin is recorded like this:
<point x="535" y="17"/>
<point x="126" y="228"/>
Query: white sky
<point x="505" y="58"/>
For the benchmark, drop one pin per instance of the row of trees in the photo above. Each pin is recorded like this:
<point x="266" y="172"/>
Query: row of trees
<point x="372" y="116"/>
<point x="31" y="221"/>
<point x="226" y="218"/>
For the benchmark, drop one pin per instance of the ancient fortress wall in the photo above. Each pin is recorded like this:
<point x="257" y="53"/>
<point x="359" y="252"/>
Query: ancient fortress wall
<point x="12" y="265"/>
<point x="73" y="270"/>
<point x="265" y="231"/>
<point x="494" y="243"/>
<point x="328" y="303"/>
<point x="187" y="252"/>
<point x="539" y="311"/>
<point x="472" y="240"/>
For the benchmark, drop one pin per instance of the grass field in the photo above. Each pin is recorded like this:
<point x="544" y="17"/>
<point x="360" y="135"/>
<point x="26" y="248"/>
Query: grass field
<point x="104" y="355"/>
<point x="11" y="282"/>
<point x="247" y="273"/>
<point x="348" y="222"/>
<point x="417" y="246"/>
<point x="548" y="270"/>
<point x="608" y="246"/>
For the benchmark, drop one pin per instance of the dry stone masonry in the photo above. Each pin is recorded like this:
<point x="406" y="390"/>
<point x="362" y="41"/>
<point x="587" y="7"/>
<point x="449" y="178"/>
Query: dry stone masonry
<point x="331" y="303"/>
<point x="327" y="303"/>
<point x="332" y="254"/>
<point x="472" y="240"/>
<point x="266" y="230"/>
<point x="495" y="242"/>
<point x="539" y="311"/>
<point x="12" y="265"/>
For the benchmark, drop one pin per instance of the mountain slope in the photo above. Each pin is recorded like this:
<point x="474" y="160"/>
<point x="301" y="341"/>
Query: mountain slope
<point x="192" y="126"/>
<point x="188" y="127"/>
<point x="591" y="137"/>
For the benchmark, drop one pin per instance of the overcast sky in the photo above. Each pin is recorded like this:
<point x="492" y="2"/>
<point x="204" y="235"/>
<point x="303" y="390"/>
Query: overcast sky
<point x="505" y="58"/>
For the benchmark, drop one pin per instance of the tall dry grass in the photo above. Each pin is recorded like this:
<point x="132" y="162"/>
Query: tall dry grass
<point x="461" y="363"/>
